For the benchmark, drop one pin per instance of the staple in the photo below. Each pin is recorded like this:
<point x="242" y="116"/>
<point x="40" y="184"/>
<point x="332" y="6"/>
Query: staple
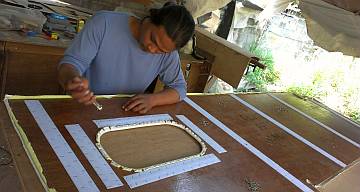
<point x="252" y="185"/>
<point x="280" y="109"/>
<point x="204" y="122"/>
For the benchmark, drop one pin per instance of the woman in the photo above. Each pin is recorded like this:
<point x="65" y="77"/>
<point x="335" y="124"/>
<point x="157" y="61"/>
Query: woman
<point x="118" y="53"/>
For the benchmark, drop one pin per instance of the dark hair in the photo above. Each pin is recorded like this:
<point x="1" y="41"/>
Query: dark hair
<point x="177" y="21"/>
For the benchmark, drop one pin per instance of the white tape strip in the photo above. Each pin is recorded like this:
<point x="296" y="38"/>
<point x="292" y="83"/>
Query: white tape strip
<point x="131" y="120"/>
<point x="97" y="161"/>
<point x="316" y="121"/>
<point x="156" y="174"/>
<point x="201" y="134"/>
<point x="71" y="163"/>
<point x="283" y="127"/>
<point x="251" y="148"/>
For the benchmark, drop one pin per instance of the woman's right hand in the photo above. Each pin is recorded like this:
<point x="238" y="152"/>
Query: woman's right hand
<point x="78" y="88"/>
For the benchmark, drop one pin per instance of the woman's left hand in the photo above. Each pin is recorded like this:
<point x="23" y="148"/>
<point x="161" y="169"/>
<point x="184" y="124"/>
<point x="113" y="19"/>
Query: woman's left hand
<point x="141" y="103"/>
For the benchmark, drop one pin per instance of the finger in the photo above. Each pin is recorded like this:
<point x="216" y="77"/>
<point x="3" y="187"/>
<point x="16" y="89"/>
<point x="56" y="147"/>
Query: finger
<point x="144" y="111"/>
<point x="70" y="86"/>
<point x="79" y="94"/>
<point x="138" y="108"/>
<point x="78" y="83"/>
<point x="130" y="101"/>
<point x="85" y="83"/>
<point x="76" y="80"/>
<point x="86" y="97"/>
<point x="126" y="104"/>
<point x="133" y="104"/>
<point x="91" y="101"/>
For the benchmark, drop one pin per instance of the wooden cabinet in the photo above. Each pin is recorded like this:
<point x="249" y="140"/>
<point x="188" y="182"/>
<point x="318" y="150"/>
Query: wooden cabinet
<point x="29" y="69"/>
<point x="224" y="60"/>
<point x="196" y="74"/>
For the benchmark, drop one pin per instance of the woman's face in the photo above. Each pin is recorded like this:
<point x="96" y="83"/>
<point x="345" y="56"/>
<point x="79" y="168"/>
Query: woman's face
<point x="154" y="39"/>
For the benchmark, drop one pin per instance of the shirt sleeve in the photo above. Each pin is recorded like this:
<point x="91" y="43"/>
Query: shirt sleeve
<point x="86" y="44"/>
<point x="171" y="74"/>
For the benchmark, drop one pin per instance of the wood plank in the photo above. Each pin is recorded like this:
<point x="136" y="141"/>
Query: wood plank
<point x="323" y="115"/>
<point x="26" y="175"/>
<point x="294" y="156"/>
<point x="237" y="171"/>
<point x="328" y="141"/>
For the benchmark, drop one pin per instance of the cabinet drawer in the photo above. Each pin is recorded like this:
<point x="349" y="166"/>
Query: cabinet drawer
<point x="31" y="69"/>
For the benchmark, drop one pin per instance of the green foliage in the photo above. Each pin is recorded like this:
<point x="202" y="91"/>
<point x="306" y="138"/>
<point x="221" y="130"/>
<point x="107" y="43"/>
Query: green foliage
<point x="351" y="97"/>
<point x="310" y="92"/>
<point x="302" y="91"/>
<point x="329" y="83"/>
<point x="296" y="2"/>
<point x="315" y="90"/>
<point x="262" y="78"/>
<point x="306" y="70"/>
<point x="353" y="114"/>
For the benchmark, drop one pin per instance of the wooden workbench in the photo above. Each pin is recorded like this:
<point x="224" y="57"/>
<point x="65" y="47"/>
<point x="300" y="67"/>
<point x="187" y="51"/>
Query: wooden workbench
<point x="239" y="169"/>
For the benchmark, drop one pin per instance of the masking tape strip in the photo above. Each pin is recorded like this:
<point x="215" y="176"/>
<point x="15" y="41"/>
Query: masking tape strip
<point x="38" y="97"/>
<point x="44" y="97"/>
<point x="27" y="147"/>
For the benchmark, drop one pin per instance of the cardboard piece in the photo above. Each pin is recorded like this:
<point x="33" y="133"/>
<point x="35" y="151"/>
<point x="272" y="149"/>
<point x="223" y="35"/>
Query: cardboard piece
<point x="144" y="146"/>
<point x="346" y="180"/>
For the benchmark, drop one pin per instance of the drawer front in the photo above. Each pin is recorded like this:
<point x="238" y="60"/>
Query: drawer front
<point x="31" y="69"/>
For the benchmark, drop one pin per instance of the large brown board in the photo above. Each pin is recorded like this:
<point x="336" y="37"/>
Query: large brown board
<point x="238" y="170"/>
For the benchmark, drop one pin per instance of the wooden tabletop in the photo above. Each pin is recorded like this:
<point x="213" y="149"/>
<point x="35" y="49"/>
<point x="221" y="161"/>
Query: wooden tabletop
<point x="9" y="180"/>
<point x="240" y="169"/>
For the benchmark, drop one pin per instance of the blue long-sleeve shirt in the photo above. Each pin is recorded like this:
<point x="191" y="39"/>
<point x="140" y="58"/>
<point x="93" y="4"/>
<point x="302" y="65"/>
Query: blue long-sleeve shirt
<point x="108" y="55"/>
